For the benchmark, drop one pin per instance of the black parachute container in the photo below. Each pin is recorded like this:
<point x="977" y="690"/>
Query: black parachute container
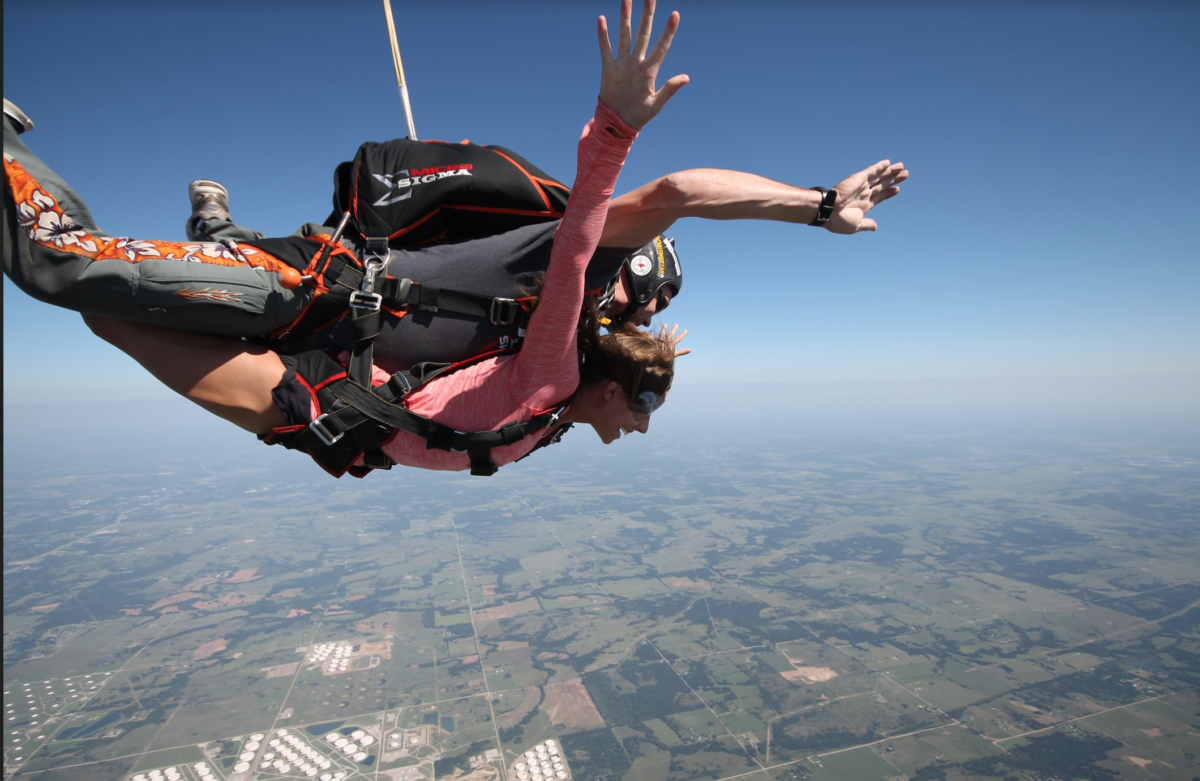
<point x="418" y="192"/>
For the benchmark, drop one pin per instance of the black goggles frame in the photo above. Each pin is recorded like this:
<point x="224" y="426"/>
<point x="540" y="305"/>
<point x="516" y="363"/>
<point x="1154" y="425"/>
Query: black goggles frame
<point x="646" y="403"/>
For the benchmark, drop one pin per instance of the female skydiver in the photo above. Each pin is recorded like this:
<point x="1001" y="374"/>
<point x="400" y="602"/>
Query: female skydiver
<point x="510" y="399"/>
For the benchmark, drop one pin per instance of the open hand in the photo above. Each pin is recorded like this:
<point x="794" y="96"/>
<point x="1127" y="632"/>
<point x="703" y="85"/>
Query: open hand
<point x="672" y="341"/>
<point x="859" y="193"/>
<point x="627" y="80"/>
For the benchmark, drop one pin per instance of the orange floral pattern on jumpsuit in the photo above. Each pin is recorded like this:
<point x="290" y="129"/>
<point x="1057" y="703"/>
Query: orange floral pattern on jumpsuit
<point x="44" y="221"/>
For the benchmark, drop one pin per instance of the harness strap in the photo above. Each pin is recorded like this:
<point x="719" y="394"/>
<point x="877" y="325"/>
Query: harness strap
<point x="342" y="277"/>
<point x="372" y="416"/>
<point x="399" y="292"/>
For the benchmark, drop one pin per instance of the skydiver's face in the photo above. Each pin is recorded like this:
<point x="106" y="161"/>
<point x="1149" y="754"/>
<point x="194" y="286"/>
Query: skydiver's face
<point x="624" y="294"/>
<point x="608" y="412"/>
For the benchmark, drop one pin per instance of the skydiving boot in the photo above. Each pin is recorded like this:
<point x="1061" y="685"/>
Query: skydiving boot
<point x="210" y="200"/>
<point x="19" y="118"/>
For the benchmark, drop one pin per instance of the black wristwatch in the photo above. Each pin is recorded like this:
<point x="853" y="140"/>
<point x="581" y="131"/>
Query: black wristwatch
<point x="825" y="210"/>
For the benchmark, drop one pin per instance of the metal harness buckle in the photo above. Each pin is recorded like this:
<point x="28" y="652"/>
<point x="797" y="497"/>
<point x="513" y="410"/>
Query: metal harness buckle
<point x="504" y="311"/>
<point x="318" y="427"/>
<point x="366" y="299"/>
<point x="366" y="302"/>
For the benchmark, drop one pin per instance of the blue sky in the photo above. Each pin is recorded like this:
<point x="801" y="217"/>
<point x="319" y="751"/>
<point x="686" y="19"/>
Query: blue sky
<point x="1046" y="230"/>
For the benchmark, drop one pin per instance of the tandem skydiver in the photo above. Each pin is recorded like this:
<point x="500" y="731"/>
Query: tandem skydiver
<point x="230" y="290"/>
<point x="343" y="409"/>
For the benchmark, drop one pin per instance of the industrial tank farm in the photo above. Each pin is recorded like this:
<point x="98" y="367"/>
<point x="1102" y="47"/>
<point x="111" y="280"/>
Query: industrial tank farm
<point x="543" y="762"/>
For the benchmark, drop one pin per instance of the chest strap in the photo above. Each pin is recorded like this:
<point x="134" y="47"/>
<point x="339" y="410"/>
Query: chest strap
<point x="357" y="421"/>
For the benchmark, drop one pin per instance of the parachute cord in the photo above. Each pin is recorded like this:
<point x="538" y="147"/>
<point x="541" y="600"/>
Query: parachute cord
<point x="391" y="25"/>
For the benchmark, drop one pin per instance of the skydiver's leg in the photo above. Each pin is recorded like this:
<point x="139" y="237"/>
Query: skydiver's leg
<point x="228" y="377"/>
<point x="215" y="229"/>
<point x="54" y="184"/>
<point x="55" y="253"/>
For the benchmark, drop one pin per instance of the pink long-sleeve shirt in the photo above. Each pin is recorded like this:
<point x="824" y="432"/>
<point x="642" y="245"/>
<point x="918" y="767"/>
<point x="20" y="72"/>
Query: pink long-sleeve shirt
<point x="491" y="393"/>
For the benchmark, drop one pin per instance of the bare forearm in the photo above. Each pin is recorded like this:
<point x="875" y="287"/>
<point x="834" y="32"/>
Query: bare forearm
<point x="638" y="216"/>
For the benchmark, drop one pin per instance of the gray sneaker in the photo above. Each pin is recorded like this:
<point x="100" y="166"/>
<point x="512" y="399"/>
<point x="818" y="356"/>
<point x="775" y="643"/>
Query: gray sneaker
<point x="20" y="118"/>
<point x="210" y="200"/>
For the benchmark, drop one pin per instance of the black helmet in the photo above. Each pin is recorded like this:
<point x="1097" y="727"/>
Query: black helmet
<point x="650" y="269"/>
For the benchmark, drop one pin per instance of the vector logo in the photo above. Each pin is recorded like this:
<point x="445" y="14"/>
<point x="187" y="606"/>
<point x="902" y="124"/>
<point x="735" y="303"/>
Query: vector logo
<point x="400" y="183"/>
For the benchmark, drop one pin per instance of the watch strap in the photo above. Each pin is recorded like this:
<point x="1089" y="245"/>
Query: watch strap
<point x="825" y="210"/>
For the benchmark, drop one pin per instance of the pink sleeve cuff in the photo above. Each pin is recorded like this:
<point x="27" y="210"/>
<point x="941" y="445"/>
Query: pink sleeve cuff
<point x="612" y="129"/>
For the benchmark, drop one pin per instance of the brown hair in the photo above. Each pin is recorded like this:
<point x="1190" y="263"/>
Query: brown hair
<point x="632" y="358"/>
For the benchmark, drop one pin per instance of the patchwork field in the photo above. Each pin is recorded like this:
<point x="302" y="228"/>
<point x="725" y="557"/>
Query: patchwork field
<point x="870" y="609"/>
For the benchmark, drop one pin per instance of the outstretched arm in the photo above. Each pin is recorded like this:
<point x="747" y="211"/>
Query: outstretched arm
<point x="638" y="216"/>
<point x="628" y="100"/>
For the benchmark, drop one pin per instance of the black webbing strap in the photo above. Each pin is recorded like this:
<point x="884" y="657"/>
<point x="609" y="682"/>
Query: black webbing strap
<point x="342" y="279"/>
<point x="353" y="409"/>
<point x="553" y="438"/>
<point x="343" y="276"/>
<point x="399" y="292"/>
<point x="353" y="405"/>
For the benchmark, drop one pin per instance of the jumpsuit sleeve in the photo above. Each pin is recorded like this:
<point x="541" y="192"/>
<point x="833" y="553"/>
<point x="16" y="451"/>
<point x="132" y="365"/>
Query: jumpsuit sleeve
<point x="546" y="370"/>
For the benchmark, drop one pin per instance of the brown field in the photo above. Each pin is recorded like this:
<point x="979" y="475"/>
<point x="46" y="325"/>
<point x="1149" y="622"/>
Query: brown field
<point x="173" y="599"/>
<point x="383" y="649"/>
<point x="686" y="583"/>
<point x="282" y="670"/>
<point x="210" y="648"/>
<point x="243" y="576"/>
<point x="489" y="589"/>
<point x="508" y="610"/>
<point x="229" y="600"/>
<point x="810" y="674"/>
<point x="568" y="598"/>
<point x="568" y="703"/>
<point x="806" y="674"/>
<point x="297" y="612"/>
<point x="533" y="696"/>
<point x="287" y="593"/>
<point x="356" y="597"/>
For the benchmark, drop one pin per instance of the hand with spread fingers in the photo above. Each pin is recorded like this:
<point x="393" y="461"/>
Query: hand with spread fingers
<point x="627" y="80"/>
<point x="671" y="339"/>
<point x="858" y="194"/>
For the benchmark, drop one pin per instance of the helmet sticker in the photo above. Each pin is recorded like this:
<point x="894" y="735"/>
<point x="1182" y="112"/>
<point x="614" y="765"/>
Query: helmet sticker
<point x="641" y="265"/>
<point x="670" y="245"/>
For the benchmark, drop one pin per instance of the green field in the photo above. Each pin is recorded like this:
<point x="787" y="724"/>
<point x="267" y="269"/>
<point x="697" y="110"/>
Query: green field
<point x="838" y="609"/>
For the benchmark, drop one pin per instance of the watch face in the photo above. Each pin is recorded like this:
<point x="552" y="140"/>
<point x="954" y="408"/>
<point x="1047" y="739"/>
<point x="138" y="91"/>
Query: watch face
<point x="641" y="265"/>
